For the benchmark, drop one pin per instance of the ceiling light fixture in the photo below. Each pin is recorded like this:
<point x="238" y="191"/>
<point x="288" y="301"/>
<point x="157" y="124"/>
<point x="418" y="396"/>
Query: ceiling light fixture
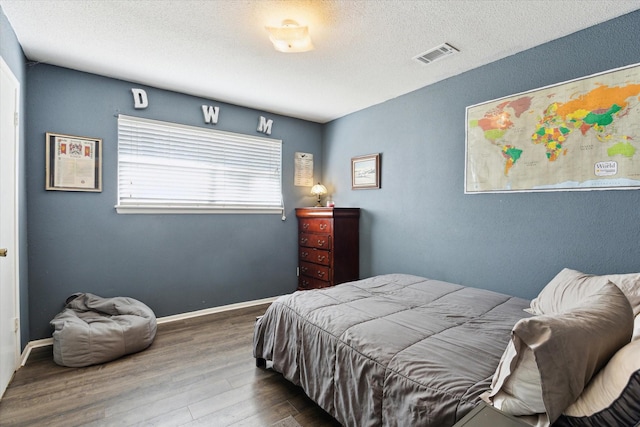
<point x="290" y="37"/>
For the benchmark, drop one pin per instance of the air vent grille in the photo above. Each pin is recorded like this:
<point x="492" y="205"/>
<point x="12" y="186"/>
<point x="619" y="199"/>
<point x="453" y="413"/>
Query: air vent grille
<point x="436" y="53"/>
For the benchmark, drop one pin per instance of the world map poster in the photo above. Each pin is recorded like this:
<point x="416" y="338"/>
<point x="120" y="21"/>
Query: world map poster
<point x="578" y="135"/>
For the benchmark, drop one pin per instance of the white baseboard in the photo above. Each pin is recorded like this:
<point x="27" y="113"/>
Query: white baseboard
<point x="213" y="310"/>
<point x="166" y="319"/>
<point x="31" y="345"/>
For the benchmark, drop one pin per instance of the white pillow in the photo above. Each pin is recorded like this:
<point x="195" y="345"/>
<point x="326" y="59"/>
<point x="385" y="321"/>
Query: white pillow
<point x="570" y="287"/>
<point x="559" y="353"/>
<point x="630" y="285"/>
<point x="520" y="391"/>
<point x="608" y="384"/>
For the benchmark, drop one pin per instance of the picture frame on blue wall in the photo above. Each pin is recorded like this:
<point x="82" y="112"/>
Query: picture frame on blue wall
<point x="576" y="135"/>
<point x="365" y="172"/>
<point x="73" y="163"/>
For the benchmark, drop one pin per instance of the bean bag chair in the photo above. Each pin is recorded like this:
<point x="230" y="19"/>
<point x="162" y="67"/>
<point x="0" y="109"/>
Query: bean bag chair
<point x="92" y="329"/>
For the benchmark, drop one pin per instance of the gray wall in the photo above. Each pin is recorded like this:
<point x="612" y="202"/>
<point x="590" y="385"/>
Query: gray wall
<point x="421" y="222"/>
<point x="12" y="54"/>
<point x="173" y="263"/>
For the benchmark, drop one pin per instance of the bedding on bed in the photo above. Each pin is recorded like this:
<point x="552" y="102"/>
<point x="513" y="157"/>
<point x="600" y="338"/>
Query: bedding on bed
<point x="596" y="318"/>
<point x="391" y="350"/>
<point x="552" y="357"/>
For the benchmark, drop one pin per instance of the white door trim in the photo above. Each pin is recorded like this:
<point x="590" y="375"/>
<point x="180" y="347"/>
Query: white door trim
<point x="4" y="68"/>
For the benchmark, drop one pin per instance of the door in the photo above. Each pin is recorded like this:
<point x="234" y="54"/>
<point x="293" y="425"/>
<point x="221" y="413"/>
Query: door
<point x="9" y="324"/>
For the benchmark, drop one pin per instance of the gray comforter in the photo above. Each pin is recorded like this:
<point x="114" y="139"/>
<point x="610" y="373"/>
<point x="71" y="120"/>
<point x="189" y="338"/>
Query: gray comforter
<point x="392" y="350"/>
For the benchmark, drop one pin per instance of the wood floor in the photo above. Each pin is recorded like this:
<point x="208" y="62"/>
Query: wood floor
<point x="198" y="372"/>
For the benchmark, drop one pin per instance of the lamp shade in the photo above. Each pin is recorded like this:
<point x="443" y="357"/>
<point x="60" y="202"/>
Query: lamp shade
<point x="290" y="37"/>
<point x="318" y="190"/>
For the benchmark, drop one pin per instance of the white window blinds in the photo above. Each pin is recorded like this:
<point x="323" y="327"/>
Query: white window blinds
<point x="177" y="168"/>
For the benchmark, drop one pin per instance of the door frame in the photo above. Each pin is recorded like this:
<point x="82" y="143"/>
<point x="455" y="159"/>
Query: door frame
<point x="15" y="250"/>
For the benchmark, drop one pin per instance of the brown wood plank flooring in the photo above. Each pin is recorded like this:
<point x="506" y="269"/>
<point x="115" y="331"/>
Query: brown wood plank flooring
<point x="198" y="372"/>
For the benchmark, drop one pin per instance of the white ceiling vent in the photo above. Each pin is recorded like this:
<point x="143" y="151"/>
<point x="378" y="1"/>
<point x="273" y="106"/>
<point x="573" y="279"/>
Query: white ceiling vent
<point x="436" y="53"/>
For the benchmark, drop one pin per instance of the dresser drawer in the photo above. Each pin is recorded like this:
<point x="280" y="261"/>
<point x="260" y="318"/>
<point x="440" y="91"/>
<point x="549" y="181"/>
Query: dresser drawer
<point x="315" y="271"/>
<point x="306" y="282"/>
<point x="317" y="256"/>
<point x="320" y="241"/>
<point x="328" y="246"/>
<point x="316" y="225"/>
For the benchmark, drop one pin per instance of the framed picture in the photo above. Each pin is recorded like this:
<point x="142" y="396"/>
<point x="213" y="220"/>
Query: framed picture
<point x="365" y="171"/>
<point x="577" y="135"/>
<point x="73" y="163"/>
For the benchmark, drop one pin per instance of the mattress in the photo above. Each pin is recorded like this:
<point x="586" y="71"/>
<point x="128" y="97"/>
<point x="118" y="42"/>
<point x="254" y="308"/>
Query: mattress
<point x="391" y="350"/>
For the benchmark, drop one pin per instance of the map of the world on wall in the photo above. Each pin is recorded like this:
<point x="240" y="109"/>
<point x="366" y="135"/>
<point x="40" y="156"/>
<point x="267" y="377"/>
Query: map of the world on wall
<point x="578" y="135"/>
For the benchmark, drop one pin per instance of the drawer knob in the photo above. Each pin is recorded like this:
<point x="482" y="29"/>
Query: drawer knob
<point x="304" y="240"/>
<point x="304" y="254"/>
<point x="321" y="242"/>
<point x="320" y="273"/>
<point x="305" y="226"/>
<point x="323" y="226"/>
<point x="303" y="269"/>
<point x="321" y="257"/>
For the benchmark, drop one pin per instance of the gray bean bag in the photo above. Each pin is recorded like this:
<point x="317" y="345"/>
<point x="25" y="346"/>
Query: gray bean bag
<point x="92" y="329"/>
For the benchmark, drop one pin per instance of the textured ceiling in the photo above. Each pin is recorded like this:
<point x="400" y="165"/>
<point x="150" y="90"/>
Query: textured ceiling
<point x="219" y="49"/>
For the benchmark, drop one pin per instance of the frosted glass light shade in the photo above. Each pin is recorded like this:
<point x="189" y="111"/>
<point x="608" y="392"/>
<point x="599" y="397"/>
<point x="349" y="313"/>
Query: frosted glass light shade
<point x="290" y="37"/>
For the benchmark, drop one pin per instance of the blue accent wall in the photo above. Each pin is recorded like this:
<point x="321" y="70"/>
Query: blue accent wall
<point x="421" y="222"/>
<point x="12" y="54"/>
<point x="173" y="263"/>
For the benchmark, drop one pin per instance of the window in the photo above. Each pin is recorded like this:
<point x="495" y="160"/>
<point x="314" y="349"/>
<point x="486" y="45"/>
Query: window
<point x="172" y="168"/>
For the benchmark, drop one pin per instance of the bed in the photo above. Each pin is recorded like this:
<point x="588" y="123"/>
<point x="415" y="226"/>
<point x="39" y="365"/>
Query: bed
<point x="400" y="350"/>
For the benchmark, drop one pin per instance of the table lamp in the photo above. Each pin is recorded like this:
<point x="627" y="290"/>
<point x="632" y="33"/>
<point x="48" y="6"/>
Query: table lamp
<point x="319" y="190"/>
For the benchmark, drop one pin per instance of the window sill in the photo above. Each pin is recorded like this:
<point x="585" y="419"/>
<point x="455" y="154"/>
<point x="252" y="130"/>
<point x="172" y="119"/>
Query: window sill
<point x="168" y="209"/>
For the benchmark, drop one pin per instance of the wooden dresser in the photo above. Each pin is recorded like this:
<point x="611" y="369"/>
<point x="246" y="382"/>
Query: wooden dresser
<point x="328" y="246"/>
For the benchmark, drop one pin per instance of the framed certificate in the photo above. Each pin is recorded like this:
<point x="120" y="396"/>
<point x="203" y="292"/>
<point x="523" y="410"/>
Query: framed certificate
<point x="73" y="163"/>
